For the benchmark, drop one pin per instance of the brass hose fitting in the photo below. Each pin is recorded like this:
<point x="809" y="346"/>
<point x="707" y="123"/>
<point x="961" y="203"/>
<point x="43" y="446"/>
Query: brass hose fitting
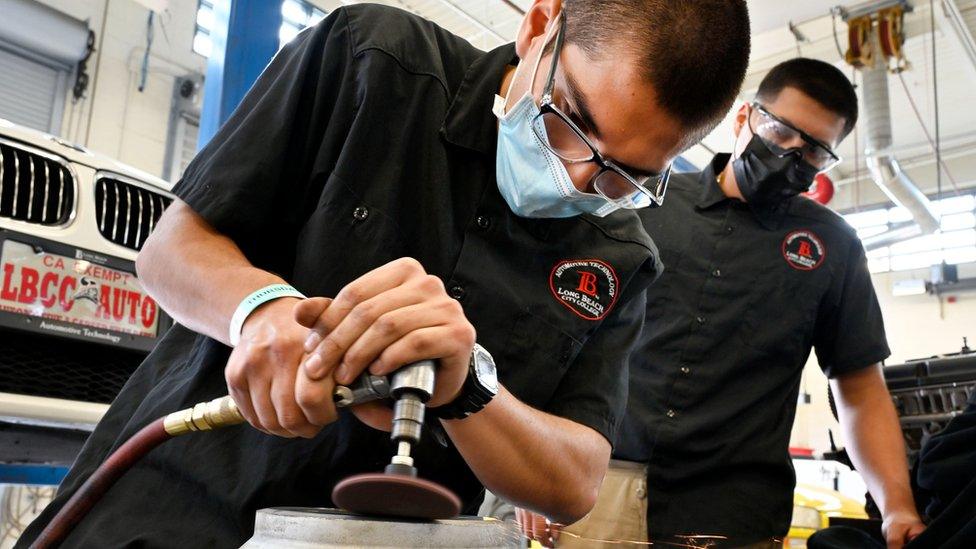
<point x="206" y="416"/>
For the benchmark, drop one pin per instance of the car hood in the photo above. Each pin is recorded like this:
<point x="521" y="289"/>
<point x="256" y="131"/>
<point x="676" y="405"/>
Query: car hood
<point x="76" y="153"/>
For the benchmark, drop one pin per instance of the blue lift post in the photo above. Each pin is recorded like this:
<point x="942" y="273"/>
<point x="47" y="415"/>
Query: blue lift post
<point x="244" y="38"/>
<point x="32" y="474"/>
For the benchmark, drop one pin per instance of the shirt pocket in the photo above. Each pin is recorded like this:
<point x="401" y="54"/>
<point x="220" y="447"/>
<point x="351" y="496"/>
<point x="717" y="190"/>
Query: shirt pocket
<point x="534" y="358"/>
<point x="780" y="317"/>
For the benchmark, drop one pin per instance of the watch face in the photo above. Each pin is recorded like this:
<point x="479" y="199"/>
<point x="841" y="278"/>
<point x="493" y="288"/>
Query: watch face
<point x="484" y="368"/>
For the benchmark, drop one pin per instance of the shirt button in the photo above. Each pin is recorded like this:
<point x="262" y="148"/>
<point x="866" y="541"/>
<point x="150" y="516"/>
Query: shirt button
<point x="730" y="229"/>
<point x="457" y="292"/>
<point x="360" y="213"/>
<point x="671" y="413"/>
<point x="483" y="222"/>
<point x="685" y="370"/>
<point x="641" y="493"/>
<point x="717" y="273"/>
<point x="700" y="320"/>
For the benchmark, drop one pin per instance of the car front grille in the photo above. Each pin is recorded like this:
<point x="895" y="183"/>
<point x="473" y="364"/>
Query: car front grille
<point x="126" y="213"/>
<point x="39" y="365"/>
<point x="35" y="187"/>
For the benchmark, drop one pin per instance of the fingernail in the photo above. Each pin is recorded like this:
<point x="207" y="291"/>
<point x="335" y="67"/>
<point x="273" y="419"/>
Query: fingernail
<point x="312" y="341"/>
<point x="342" y="373"/>
<point x="313" y="366"/>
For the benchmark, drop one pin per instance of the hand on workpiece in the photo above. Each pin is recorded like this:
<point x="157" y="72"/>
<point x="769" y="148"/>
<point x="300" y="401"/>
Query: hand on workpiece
<point x="394" y="315"/>
<point x="264" y="376"/>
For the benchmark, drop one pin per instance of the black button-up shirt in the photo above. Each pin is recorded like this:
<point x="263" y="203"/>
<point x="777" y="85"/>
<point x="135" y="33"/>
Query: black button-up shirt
<point x="369" y="138"/>
<point x="729" y="327"/>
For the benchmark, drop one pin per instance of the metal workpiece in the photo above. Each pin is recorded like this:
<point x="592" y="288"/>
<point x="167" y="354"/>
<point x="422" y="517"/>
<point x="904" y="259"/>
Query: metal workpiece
<point x="205" y="416"/>
<point x="334" y="529"/>
<point x="366" y="388"/>
<point x="416" y="378"/>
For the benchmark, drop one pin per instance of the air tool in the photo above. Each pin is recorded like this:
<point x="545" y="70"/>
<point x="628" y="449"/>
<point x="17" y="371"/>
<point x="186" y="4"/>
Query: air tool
<point x="398" y="491"/>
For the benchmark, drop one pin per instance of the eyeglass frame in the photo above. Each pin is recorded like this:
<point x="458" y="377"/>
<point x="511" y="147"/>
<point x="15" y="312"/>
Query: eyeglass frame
<point x="807" y="138"/>
<point x="546" y="105"/>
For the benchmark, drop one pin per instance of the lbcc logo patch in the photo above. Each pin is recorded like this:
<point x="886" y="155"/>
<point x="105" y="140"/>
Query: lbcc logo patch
<point x="588" y="287"/>
<point x="803" y="250"/>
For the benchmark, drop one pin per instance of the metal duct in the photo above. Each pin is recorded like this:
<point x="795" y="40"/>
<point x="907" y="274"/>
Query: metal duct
<point x="899" y="233"/>
<point x="884" y="168"/>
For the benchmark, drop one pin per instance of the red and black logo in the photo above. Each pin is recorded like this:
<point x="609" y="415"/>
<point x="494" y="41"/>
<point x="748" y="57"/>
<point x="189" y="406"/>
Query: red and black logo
<point x="803" y="250"/>
<point x="588" y="287"/>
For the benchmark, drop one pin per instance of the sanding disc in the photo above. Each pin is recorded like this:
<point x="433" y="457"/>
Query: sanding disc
<point x="396" y="496"/>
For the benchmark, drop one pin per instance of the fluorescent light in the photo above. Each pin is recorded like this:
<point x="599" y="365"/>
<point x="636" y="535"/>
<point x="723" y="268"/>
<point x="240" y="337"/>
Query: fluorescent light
<point x="904" y="288"/>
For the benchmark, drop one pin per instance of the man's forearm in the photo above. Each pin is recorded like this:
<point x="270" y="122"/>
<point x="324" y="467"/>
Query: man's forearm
<point x="874" y="439"/>
<point x="536" y="460"/>
<point x="196" y="274"/>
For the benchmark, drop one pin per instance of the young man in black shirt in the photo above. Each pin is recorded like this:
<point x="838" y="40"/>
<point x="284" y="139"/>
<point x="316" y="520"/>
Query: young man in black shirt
<point x="756" y="277"/>
<point x="366" y="167"/>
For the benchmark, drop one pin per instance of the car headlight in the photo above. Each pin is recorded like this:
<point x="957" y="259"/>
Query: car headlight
<point x="805" y="517"/>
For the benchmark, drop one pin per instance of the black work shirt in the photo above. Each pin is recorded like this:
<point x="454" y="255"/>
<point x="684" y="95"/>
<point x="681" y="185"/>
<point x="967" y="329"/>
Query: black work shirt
<point x="369" y="138"/>
<point x="729" y="327"/>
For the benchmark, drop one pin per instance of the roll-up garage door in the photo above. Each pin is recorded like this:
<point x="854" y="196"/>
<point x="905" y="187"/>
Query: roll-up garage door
<point x="39" y="49"/>
<point x="30" y="92"/>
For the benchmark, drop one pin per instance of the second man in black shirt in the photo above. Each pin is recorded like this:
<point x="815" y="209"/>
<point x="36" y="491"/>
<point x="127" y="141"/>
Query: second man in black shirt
<point x="755" y="277"/>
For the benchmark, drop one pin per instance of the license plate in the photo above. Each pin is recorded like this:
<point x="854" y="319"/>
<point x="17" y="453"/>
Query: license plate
<point x="84" y="299"/>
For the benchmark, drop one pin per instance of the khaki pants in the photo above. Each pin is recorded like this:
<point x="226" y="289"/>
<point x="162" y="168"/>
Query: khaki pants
<point x="619" y="518"/>
<point x="620" y="513"/>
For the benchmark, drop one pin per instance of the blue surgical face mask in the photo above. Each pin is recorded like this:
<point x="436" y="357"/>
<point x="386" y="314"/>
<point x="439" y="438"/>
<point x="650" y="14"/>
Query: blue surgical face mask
<point x="533" y="180"/>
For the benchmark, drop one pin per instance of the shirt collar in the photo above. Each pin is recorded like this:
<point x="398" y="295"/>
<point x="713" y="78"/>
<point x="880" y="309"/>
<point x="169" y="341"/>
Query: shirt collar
<point x="469" y="122"/>
<point x="712" y="194"/>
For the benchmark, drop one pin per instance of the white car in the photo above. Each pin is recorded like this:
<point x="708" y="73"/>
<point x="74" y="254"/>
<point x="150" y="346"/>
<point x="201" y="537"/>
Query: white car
<point x="74" y="320"/>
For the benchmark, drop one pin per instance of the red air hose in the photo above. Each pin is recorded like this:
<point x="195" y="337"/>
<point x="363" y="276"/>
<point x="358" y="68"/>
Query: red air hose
<point x="101" y="480"/>
<point x="220" y="412"/>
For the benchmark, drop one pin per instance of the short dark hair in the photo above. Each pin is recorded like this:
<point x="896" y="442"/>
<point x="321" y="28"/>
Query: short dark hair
<point x="693" y="52"/>
<point x="820" y="81"/>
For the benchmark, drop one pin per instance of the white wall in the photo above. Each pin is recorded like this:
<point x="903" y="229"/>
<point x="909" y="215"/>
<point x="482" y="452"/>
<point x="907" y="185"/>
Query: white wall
<point x="115" y="118"/>
<point x="917" y="327"/>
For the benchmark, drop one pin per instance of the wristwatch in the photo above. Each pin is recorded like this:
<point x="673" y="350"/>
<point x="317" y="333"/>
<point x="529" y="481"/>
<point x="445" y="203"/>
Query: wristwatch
<point x="479" y="388"/>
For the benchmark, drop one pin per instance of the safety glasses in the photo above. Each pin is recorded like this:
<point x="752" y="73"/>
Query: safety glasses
<point x="560" y="135"/>
<point x="784" y="139"/>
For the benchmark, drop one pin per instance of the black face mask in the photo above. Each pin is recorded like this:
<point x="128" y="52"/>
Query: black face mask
<point x="767" y="180"/>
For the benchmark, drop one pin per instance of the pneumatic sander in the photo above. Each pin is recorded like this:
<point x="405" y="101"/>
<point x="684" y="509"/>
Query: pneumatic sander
<point x="397" y="491"/>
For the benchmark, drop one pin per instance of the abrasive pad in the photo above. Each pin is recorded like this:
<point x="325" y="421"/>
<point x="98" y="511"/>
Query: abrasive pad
<point x="396" y="496"/>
